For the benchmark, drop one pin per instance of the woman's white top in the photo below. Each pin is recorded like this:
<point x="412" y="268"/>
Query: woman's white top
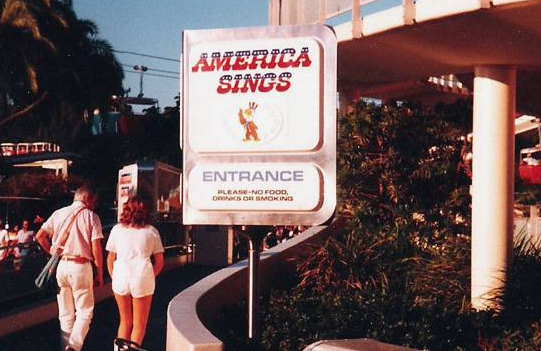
<point x="4" y="239"/>
<point x="134" y="248"/>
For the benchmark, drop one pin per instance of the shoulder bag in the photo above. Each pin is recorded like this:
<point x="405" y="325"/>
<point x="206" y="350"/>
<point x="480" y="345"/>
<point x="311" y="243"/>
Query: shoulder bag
<point x="46" y="280"/>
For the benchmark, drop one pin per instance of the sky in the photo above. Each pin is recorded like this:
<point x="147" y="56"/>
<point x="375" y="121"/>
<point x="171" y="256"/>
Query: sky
<point x="155" y="28"/>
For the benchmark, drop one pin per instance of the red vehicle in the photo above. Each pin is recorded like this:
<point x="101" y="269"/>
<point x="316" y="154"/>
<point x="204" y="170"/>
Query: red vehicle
<point x="8" y="149"/>
<point x="529" y="168"/>
<point x="23" y="148"/>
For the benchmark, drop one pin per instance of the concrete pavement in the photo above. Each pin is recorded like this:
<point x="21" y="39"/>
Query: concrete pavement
<point x="45" y="336"/>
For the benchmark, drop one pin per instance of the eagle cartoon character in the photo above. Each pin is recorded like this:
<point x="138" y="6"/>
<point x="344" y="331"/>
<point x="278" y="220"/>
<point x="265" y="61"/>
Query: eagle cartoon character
<point x="246" y="118"/>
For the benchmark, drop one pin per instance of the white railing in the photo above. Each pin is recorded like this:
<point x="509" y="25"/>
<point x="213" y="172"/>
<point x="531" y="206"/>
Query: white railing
<point x="357" y="13"/>
<point x="12" y="149"/>
<point x="325" y="11"/>
<point x="449" y="83"/>
<point x="527" y="225"/>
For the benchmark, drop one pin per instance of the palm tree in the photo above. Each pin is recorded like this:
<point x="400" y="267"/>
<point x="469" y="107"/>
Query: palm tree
<point x="22" y="47"/>
<point x="52" y="67"/>
<point x="87" y="71"/>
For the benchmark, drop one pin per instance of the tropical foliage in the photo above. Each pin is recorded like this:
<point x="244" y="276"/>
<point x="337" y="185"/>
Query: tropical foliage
<point x="39" y="185"/>
<point x="158" y="141"/>
<point x="161" y="140"/>
<point x="399" y="272"/>
<point x="26" y="194"/>
<point x="408" y="203"/>
<point x="400" y="165"/>
<point x="52" y="67"/>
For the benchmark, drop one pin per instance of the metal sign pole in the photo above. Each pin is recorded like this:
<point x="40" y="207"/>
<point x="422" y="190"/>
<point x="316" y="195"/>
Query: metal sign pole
<point x="255" y="238"/>
<point x="253" y="289"/>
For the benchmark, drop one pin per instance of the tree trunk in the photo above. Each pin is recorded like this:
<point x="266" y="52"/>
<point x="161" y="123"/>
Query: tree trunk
<point x="6" y="120"/>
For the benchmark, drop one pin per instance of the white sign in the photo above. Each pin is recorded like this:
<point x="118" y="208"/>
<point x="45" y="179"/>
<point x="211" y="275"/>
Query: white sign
<point x="126" y="187"/>
<point x="255" y="186"/>
<point x="261" y="96"/>
<point x="259" y="125"/>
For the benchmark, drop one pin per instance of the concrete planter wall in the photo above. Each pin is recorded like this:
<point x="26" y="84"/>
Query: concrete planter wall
<point x="192" y="314"/>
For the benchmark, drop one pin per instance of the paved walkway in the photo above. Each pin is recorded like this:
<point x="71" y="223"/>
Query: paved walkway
<point x="44" y="337"/>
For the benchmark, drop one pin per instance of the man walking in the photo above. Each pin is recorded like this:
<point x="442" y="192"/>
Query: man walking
<point x="82" y="229"/>
<point x="25" y="236"/>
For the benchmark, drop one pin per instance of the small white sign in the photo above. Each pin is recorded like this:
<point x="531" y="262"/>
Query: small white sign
<point x="255" y="187"/>
<point x="126" y="187"/>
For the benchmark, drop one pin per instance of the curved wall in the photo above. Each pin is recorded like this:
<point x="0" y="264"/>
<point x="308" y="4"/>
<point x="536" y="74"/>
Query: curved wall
<point x="192" y="313"/>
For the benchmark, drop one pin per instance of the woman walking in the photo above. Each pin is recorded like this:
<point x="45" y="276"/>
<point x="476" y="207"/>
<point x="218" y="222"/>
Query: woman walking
<point x="135" y="258"/>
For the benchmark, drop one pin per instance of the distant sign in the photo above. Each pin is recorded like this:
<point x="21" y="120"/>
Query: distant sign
<point x="126" y="187"/>
<point x="259" y="125"/>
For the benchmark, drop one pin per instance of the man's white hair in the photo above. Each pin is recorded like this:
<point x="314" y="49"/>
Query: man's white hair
<point x="84" y="193"/>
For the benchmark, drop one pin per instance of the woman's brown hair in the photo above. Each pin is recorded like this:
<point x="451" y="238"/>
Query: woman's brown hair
<point x="134" y="212"/>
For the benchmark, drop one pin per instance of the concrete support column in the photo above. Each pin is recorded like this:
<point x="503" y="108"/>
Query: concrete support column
<point x="493" y="180"/>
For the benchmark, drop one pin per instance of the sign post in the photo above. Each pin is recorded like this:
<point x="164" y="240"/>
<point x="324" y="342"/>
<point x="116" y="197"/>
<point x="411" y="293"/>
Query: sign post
<point x="259" y="130"/>
<point x="255" y="235"/>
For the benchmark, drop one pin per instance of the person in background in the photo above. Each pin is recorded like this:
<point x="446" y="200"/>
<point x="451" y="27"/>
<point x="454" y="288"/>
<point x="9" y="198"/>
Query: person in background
<point x="74" y="272"/>
<point x="530" y="160"/>
<point x="135" y="258"/>
<point x="240" y="244"/>
<point x="36" y="225"/>
<point x="25" y="237"/>
<point x="13" y="234"/>
<point x="271" y="240"/>
<point x="38" y="221"/>
<point x="280" y="234"/>
<point x="12" y="239"/>
<point x="4" y="240"/>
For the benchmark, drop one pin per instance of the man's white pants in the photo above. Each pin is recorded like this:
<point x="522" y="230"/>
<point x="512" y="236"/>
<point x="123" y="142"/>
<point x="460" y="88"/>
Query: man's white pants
<point x="75" y="302"/>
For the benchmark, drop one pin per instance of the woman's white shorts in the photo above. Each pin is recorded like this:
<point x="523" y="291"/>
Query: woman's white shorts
<point x="136" y="285"/>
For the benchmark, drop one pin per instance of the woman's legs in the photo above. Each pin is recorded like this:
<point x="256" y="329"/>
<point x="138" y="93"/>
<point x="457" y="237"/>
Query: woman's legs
<point x="124" y="303"/>
<point x="141" y="310"/>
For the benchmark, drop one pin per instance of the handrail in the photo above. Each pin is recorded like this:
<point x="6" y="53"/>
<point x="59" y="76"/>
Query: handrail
<point x="360" y="3"/>
<point x="33" y="244"/>
<point x="20" y="245"/>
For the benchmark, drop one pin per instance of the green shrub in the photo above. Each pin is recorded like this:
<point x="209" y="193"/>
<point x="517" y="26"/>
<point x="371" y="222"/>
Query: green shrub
<point x="442" y="276"/>
<point x="417" y="301"/>
<point x="363" y="284"/>
<point x="521" y="299"/>
<point x="39" y="185"/>
<point x="400" y="271"/>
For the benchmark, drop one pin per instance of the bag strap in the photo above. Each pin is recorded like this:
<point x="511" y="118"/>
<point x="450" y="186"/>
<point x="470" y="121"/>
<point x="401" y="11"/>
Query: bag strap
<point x="63" y="237"/>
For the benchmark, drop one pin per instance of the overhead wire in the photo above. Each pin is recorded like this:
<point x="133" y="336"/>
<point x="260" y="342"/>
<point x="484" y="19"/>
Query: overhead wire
<point x="152" y="69"/>
<point x="146" y="55"/>
<point x="154" y="75"/>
